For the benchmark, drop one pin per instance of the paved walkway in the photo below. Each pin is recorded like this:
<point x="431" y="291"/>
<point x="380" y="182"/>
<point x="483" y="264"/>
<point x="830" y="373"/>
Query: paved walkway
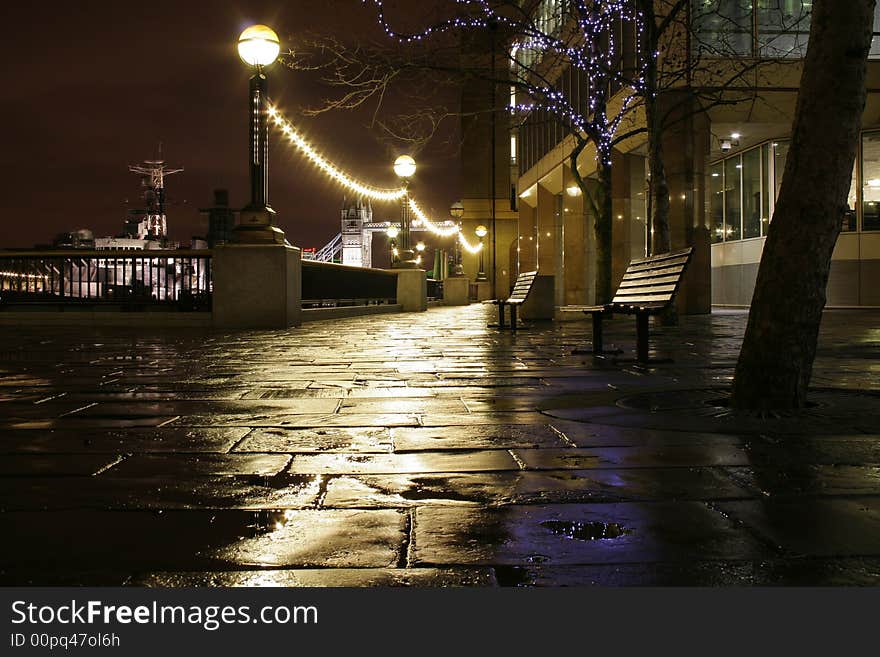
<point x="426" y="449"/>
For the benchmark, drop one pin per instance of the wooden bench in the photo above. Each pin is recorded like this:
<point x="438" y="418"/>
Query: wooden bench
<point x="521" y="290"/>
<point x="648" y="288"/>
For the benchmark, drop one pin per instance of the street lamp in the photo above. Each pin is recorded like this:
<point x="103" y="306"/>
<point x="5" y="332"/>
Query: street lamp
<point x="258" y="47"/>
<point x="392" y="233"/>
<point x="481" y="232"/>
<point x="457" y="211"/>
<point x="404" y="168"/>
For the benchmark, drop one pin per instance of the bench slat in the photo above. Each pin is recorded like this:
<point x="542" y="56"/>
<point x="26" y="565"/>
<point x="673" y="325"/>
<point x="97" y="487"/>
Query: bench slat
<point x="666" y="271"/>
<point x="648" y="282"/>
<point x="643" y="298"/>
<point x="663" y="256"/>
<point x="648" y="266"/>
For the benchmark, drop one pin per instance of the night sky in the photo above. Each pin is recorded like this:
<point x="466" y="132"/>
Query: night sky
<point x="91" y="87"/>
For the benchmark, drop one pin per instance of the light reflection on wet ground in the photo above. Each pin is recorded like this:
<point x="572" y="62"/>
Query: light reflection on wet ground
<point x="427" y="450"/>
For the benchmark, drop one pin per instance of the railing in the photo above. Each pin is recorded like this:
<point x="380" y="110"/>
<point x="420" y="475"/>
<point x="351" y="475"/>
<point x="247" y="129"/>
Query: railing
<point x="435" y="289"/>
<point x="171" y="280"/>
<point x="326" y="284"/>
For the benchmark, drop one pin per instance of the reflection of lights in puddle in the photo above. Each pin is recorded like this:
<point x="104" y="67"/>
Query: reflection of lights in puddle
<point x="585" y="531"/>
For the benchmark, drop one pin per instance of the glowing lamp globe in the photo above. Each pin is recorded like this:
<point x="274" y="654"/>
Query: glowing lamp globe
<point x="481" y="231"/>
<point x="420" y="247"/>
<point x="457" y="210"/>
<point x="393" y="231"/>
<point x="258" y="45"/>
<point x="404" y="166"/>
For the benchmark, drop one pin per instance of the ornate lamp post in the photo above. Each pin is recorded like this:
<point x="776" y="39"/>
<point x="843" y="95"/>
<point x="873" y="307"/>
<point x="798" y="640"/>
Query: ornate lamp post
<point x="457" y="211"/>
<point x="481" y="232"/>
<point x="258" y="46"/>
<point x="404" y="168"/>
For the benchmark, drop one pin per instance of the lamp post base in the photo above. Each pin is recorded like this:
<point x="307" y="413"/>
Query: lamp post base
<point x="406" y="260"/>
<point x="255" y="227"/>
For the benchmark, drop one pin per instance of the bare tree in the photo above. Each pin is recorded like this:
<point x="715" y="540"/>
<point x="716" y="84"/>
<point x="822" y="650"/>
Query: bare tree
<point x="776" y="360"/>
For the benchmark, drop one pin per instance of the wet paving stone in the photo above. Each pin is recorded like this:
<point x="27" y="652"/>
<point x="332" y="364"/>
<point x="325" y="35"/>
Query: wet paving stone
<point x="325" y="577"/>
<point x="471" y="461"/>
<point x="794" y="572"/>
<point x="60" y="465"/>
<point x="420" y="406"/>
<point x="134" y="441"/>
<point x="264" y="465"/>
<point x="516" y="536"/>
<point x="197" y="540"/>
<point x="496" y="436"/>
<point x="109" y="492"/>
<point x="797" y="480"/>
<point x="549" y="487"/>
<point x="318" y="440"/>
<point x="812" y="526"/>
<point x="298" y="421"/>
<point x="632" y="457"/>
<point x="427" y="450"/>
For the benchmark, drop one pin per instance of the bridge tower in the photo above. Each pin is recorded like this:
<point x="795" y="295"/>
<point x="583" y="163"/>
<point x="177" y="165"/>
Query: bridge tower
<point x="357" y="243"/>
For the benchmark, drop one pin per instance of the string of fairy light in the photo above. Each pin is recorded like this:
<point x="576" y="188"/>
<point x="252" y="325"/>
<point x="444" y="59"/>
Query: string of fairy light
<point x="362" y="189"/>
<point x="597" y="52"/>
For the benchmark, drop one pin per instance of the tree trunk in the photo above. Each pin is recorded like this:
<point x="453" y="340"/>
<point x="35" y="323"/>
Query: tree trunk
<point x="776" y="360"/>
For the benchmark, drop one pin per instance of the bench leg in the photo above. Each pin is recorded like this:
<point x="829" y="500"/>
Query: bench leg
<point x="598" y="346"/>
<point x="513" y="317"/>
<point x="501" y="314"/>
<point x="642" y="337"/>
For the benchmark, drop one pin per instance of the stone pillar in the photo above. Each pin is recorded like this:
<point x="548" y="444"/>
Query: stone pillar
<point x="528" y="258"/>
<point x="574" y="243"/>
<point x="412" y="289"/>
<point x="455" y="291"/>
<point x="256" y="286"/>
<point x="686" y="148"/>
<point x="545" y="225"/>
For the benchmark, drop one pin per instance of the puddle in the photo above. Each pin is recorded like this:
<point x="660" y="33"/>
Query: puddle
<point x="585" y="531"/>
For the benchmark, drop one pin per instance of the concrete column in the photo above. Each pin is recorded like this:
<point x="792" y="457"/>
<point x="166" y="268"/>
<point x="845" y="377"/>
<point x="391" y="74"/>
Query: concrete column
<point x="528" y="255"/>
<point x="256" y="286"/>
<point x="412" y="289"/>
<point x="686" y="148"/>
<point x="455" y="291"/>
<point x="545" y="244"/>
<point x="620" y="213"/>
<point x="573" y="244"/>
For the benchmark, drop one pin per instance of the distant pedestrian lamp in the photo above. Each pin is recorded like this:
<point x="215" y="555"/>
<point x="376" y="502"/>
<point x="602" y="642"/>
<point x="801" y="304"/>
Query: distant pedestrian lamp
<point x="392" y="233"/>
<point x="457" y="212"/>
<point x="258" y="46"/>
<point x="481" y="232"/>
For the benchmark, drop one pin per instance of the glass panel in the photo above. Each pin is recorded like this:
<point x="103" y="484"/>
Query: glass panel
<point x="780" y="153"/>
<point x="716" y="202"/>
<point x="849" y="217"/>
<point x="751" y="177"/>
<point x="732" y="201"/>
<point x="783" y="27"/>
<point x="723" y="27"/>
<point x="638" y="205"/>
<point x="875" y="42"/>
<point x="871" y="181"/>
<point x="767" y="186"/>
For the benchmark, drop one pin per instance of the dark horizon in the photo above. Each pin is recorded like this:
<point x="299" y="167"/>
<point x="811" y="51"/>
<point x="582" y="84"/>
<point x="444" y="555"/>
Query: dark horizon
<point x="106" y="86"/>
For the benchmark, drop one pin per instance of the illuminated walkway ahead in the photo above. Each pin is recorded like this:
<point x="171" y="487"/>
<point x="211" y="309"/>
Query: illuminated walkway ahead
<point x="425" y="449"/>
